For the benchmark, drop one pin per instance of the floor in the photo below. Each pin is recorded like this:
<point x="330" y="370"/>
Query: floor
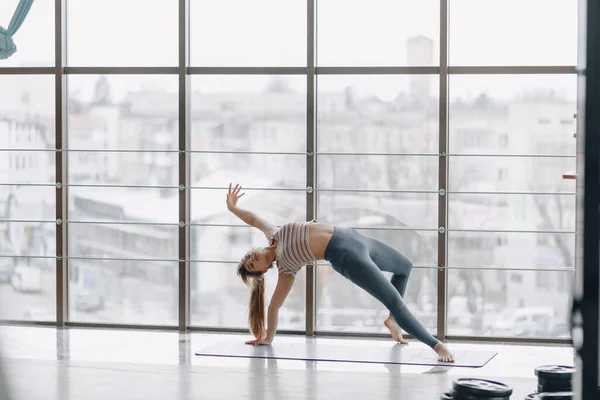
<point x="48" y="363"/>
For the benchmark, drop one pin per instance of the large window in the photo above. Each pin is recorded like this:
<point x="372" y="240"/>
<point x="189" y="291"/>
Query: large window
<point x="458" y="162"/>
<point x="27" y="198"/>
<point x="123" y="197"/>
<point x="511" y="216"/>
<point x="249" y="130"/>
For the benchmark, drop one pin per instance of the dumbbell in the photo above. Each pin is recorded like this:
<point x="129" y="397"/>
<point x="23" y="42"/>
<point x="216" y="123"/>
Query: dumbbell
<point x="477" y="389"/>
<point x="554" y="378"/>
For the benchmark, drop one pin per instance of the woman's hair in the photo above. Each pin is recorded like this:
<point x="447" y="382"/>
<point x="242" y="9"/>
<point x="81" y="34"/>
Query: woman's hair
<point x="256" y="310"/>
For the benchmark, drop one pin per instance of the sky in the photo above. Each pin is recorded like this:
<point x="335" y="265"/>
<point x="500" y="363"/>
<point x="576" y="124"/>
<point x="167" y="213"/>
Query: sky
<point x="273" y="33"/>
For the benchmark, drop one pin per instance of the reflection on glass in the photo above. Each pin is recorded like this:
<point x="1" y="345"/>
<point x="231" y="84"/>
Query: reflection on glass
<point x="516" y="304"/>
<point x="552" y="33"/>
<point x="27" y="269"/>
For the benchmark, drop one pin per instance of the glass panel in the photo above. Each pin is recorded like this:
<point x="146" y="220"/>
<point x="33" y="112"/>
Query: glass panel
<point x="249" y="170"/>
<point x="344" y="307"/>
<point x="515" y="304"/>
<point x="117" y="112"/>
<point x="511" y="250"/>
<point x="415" y="211"/>
<point x="28" y="283"/>
<point x="379" y="32"/>
<point x="248" y="113"/>
<point x="27" y="122"/>
<point x="378" y="114"/>
<point x="34" y="39"/>
<point x="220" y="299"/>
<point x="123" y="240"/>
<point x="117" y="204"/>
<point x="516" y="212"/>
<point x="123" y="292"/>
<point x="139" y="34"/>
<point x="512" y="114"/>
<point x="510" y="174"/>
<point x="378" y="172"/>
<point x="27" y="112"/>
<point x="262" y="33"/>
<point x="513" y="32"/>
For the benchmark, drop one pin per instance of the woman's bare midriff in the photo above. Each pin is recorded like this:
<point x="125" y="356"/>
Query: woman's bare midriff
<point x="319" y="235"/>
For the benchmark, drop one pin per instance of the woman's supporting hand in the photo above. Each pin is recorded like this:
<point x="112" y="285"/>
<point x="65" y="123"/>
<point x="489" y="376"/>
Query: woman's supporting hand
<point x="233" y="195"/>
<point x="258" y="342"/>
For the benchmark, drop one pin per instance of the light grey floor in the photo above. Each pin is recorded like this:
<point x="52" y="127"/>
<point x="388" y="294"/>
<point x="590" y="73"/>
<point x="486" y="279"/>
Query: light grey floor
<point x="48" y="363"/>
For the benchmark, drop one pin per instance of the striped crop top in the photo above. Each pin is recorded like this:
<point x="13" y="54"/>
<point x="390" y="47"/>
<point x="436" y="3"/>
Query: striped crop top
<point x="293" y="249"/>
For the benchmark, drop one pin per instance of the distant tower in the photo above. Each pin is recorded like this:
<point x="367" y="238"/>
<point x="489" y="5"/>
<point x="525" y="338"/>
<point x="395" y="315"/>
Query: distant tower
<point x="419" y="53"/>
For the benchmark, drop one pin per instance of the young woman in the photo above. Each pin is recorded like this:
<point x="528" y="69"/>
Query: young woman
<point x="357" y="257"/>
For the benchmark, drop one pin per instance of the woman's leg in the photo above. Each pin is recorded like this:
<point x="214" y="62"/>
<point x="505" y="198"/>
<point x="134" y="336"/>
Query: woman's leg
<point x="362" y="271"/>
<point x="389" y="259"/>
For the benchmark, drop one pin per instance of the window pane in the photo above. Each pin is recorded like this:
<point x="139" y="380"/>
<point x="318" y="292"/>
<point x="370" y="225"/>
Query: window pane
<point x="512" y="304"/>
<point x="116" y="112"/>
<point x="482" y="174"/>
<point x="413" y="211"/>
<point x="139" y="33"/>
<point x="512" y="211"/>
<point x="378" y="114"/>
<point x="249" y="170"/>
<point x="262" y="33"/>
<point x="214" y="281"/>
<point x="27" y="107"/>
<point x="380" y="32"/>
<point x="378" y="172"/>
<point x="26" y="122"/>
<point x="35" y="37"/>
<point x="512" y="114"/>
<point x="249" y="113"/>
<point x="121" y="240"/>
<point x="27" y="251"/>
<point x="124" y="204"/>
<point x="220" y="299"/>
<point x="513" y="32"/>
<point x="511" y="250"/>
<point x="344" y="307"/>
<point x="123" y="292"/>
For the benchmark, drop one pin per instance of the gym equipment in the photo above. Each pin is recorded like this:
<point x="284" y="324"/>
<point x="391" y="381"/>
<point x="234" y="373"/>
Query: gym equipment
<point x="359" y="353"/>
<point x="554" y="378"/>
<point x="479" y="389"/>
<point x="7" y="45"/>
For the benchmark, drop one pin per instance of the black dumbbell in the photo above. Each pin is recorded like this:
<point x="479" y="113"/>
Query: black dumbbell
<point x="479" y="389"/>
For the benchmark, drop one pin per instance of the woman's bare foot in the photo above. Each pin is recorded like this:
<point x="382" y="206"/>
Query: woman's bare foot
<point x="444" y="354"/>
<point x="395" y="330"/>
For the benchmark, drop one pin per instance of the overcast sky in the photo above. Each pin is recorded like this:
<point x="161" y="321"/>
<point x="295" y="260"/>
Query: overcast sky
<point x="273" y="33"/>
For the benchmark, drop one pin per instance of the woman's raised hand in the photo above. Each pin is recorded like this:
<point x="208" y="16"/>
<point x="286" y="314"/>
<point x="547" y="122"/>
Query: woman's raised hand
<point x="233" y="195"/>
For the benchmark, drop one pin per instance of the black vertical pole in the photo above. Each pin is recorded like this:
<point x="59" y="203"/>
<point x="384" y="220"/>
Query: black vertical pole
<point x="588" y="306"/>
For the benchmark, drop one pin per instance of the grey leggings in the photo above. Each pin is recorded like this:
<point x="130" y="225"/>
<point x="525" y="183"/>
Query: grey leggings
<point x="361" y="259"/>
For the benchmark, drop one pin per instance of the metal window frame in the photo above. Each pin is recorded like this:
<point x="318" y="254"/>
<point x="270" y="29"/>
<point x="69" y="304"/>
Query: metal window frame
<point x="184" y="71"/>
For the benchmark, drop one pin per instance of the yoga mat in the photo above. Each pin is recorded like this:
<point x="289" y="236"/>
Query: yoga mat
<point x="355" y="352"/>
